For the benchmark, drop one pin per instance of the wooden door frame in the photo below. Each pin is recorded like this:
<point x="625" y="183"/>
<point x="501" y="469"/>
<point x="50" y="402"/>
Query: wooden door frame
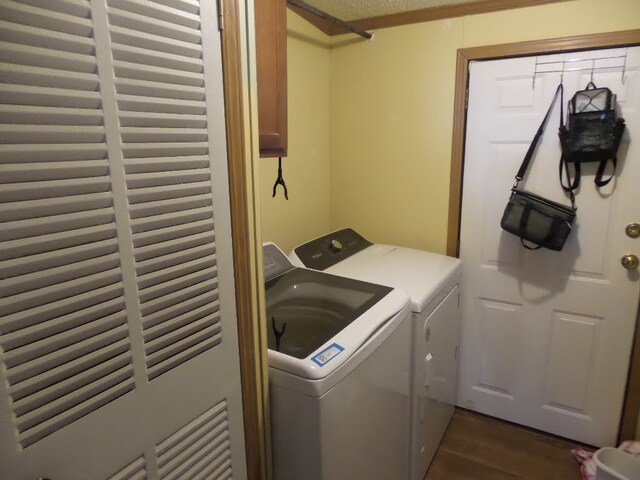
<point x="537" y="47"/>
<point x="245" y="255"/>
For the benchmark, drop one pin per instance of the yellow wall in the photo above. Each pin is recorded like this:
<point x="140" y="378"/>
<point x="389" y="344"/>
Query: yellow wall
<point x="307" y="168"/>
<point x="392" y="112"/>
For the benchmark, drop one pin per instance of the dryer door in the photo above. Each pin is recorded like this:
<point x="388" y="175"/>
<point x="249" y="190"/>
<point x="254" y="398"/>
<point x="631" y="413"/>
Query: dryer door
<point x="435" y="379"/>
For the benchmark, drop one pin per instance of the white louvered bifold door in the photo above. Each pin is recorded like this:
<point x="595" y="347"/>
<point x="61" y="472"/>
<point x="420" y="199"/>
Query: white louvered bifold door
<point x="118" y="343"/>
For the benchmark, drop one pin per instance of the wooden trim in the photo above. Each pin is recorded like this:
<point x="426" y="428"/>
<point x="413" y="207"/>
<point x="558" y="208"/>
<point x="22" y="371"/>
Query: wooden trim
<point x="422" y="15"/>
<point x="253" y="394"/>
<point x="321" y="24"/>
<point x="567" y="44"/>
<point x="457" y="153"/>
<point x="448" y="11"/>
<point x="631" y="409"/>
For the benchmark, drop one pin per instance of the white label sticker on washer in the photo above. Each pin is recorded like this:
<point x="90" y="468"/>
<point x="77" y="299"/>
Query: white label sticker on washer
<point x="326" y="355"/>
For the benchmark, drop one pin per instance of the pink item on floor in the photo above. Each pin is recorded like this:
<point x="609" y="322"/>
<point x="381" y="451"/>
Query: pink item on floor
<point x="588" y="465"/>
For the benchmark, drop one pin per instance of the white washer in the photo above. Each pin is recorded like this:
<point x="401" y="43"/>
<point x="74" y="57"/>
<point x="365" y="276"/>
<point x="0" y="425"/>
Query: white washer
<point x="433" y="284"/>
<point x="339" y="374"/>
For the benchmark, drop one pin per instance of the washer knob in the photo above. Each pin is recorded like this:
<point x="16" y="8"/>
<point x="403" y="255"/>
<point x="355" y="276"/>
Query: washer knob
<point x="335" y="246"/>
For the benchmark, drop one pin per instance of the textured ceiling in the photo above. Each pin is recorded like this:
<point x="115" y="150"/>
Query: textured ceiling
<point x="358" y="9"/>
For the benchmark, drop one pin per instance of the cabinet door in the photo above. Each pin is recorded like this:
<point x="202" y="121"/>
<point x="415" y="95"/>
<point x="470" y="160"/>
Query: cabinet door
<point x="118" y="345"/>
<point x="271" y="56"/>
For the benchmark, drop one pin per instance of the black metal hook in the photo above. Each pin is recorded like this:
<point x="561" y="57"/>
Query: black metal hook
<point x="280" y="181"/>
<point x="276" y="333"/>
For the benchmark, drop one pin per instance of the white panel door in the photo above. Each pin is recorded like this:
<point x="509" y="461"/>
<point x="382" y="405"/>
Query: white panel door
<point x="547" y="335"/>
<point x="118" y="343"/>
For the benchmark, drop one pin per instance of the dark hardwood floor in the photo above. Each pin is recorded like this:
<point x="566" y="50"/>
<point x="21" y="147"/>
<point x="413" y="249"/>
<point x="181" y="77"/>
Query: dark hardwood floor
<point x="478" y="447"/>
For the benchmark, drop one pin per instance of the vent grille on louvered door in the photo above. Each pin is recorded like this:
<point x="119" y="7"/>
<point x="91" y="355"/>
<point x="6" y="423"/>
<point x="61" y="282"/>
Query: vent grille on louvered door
<point x="200" y="450"/>
<point x="162" y="112"/>
<point x="136" y="470"/>
<point x="63" y="328"/>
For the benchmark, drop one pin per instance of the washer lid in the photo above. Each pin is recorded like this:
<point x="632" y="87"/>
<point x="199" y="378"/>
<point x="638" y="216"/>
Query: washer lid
<point x="317" y="321"/>
<point x="421" y="274"/>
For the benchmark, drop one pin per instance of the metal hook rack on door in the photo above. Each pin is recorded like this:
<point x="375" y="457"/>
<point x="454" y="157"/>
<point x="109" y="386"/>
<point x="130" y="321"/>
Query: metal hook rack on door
<point x="613" y="62"/>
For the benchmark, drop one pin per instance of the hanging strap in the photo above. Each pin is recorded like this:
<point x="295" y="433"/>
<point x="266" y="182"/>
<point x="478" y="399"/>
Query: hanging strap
<point x="529" y="155"/>
<point x="570" y="185"/>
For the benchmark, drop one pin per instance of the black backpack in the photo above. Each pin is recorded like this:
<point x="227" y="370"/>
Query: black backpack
<point x="592" y="134"/>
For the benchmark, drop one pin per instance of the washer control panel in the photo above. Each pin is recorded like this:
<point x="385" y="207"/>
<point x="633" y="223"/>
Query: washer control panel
<point x="330" y="249"/>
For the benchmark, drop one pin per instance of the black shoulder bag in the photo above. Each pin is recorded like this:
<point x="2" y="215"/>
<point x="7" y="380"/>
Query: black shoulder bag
<point x="532" y="218"/>
<point x="592" y="134"/>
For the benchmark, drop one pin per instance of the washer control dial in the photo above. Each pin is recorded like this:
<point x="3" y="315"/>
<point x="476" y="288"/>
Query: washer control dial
<point x="335" y="246"/>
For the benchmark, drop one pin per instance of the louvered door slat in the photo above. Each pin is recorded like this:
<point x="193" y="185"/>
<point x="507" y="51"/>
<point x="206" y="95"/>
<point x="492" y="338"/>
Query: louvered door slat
<point x="88" y="405"/>
<point x="28" y="114"/>
<point x="51" y="152"/>
<point x="56" y="258"/>
<point x="78" y="8"/>
<point x="148" y="88"/>
<point x="40" y="37"/>
<point x="185" y="455"/>
<point x="153" y="119"/>
<point x="144" y="56"/>
<point x="179" y="269"/>
<point x="147" y="150"/>
<point x="175" y="134"/>
<point x="142" y="23"/>
<point x="155" y="42"/>
<point x="165" y="248"/>
<point x="176" y="258"/>
<point x="176" y="297"/>
<point x="64" y="403"/>
<point x="62" y="295"/>
<point x="30" y="351"/>
<point x="159" y="11"/>
<point x="182" y="279"/>
<point x="134" y="71"/>
<point x="160" y="292"/>
<point x="84" y="226"/>
<point x="44" y="77"/>
<point x="172" y="315"/>
<point x="136" y="470"/>
<point x="153" y="222"/>
<point x="205" y="439"/>
<point x="51" y="134"/>
<point x="15" y="339"/>
<point x="138" y="103"/>
<point x="184" y="319"/>
<point x="30" y="55"/>
<point x="32" y="316"/>
<point x="30" y="281"/>
<point x="169" y="233"/>
<point x="26" y="172"/>
<point x="161" y="207"/>
<point x="14" y="211"/>
<point x="44" y="396"/>
<point x="48" y="97"/>
<point x="47" y="18"/>
<point x="102" y="356"/>
<point x="20" y="372"/>
<point x="54" y="188"/>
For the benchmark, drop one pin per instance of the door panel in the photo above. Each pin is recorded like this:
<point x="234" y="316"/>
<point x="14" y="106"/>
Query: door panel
<point x="547" y="335"/>
<point x="118" y="343"/>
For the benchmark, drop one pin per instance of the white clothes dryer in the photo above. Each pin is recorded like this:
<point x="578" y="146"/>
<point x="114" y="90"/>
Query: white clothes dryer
<point x="339" y="374"/>
<point x="432" y="282"/>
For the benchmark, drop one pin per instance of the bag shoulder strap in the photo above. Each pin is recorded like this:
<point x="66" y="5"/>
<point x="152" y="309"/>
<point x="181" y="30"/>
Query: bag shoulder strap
<point x="529" y="155"/>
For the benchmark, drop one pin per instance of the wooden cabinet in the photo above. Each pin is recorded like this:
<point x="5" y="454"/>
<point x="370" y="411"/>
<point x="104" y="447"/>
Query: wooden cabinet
<point x="271" y="55"/>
